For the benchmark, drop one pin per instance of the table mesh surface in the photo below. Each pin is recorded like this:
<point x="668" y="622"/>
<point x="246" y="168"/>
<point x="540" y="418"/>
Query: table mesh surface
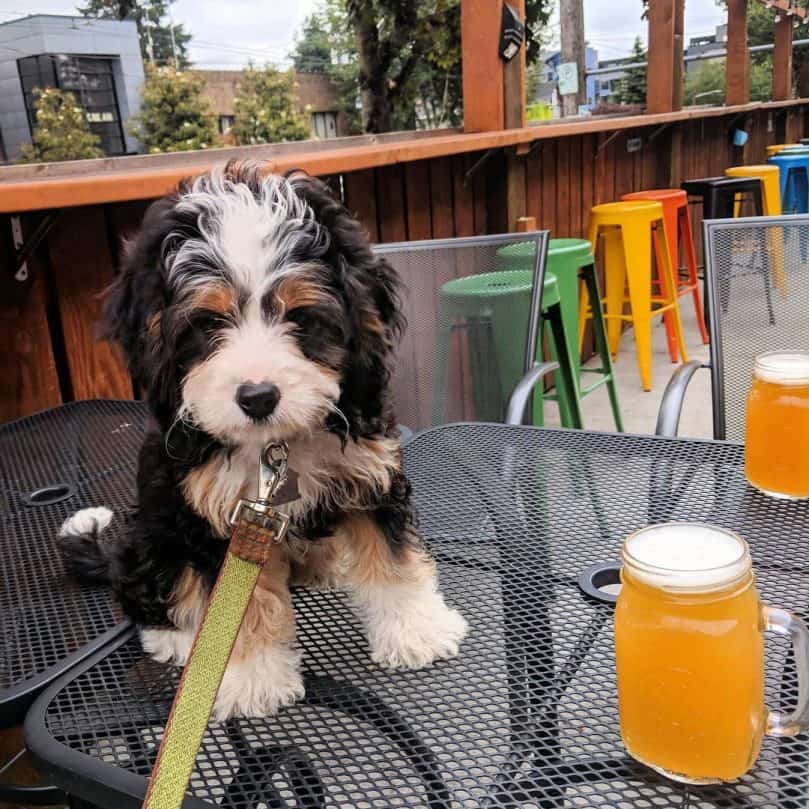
<point x="526" y="716"/>
<point x="756" y="314"/>
<point x="90" y="447"/>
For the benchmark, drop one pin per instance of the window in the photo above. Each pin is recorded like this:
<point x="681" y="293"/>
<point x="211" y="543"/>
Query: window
<point x="90" y="79"/>
<point x="226" y="123"/>
<point x="324" y="124"/>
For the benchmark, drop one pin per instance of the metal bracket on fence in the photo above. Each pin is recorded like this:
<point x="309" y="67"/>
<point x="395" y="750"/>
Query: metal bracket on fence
<point x="25" y="249"/>
<point x="478" y="165"/>
<point x="603" y="145"/>
<point x="527" y="149"/>
<point x="657" y="133"/>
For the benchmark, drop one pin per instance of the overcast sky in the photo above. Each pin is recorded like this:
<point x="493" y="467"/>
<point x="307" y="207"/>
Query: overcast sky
<point x="229" y="32"/>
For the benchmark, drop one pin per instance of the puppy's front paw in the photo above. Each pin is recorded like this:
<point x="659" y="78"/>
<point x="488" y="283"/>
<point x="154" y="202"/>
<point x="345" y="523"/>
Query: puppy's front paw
<point x="168" y="645"/>
<point x="88" y="521"/>
<point x="260" y="686"/>
<point x="420" y="632"/>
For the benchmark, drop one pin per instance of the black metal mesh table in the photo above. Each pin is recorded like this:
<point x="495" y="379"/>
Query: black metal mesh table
<point x="526" y="716"/>
<point x="51" y="465"/>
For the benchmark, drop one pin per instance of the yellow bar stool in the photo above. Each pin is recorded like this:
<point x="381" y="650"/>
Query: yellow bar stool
<point x="770" y="177"/>
<point x="777" y="147"/>
<point x="627" y="232"/>
<point x="770" y="183"/>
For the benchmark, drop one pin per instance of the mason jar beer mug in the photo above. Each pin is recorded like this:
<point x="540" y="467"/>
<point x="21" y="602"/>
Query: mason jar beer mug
<point x="690" y="654"/>
<point x="777" y="432"/>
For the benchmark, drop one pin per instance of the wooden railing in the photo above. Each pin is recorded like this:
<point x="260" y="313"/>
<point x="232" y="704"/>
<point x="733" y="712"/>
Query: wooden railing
<point x="401" y="187"/>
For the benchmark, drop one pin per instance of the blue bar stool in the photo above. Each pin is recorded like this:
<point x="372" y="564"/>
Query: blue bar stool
<point x="794" y="175"/>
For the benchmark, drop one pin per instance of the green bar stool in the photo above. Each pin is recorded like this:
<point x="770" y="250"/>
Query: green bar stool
<point x="571" y="261"/>
<point x="493" y="309"/>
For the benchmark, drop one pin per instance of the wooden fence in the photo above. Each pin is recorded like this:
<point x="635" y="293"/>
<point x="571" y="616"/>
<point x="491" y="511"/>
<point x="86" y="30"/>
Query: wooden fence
<point x="50" y="353"/>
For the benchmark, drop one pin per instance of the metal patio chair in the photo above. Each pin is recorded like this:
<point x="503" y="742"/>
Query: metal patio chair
<point x="758" y="300"/>
<point x="473" y="329"/>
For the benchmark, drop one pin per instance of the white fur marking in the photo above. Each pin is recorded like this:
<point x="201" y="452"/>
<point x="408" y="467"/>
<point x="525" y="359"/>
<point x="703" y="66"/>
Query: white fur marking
<point x="87" y="521"/>
<point x="409" y="625"/>
<point x="255" y="351"/>
<point x="168" y="645"/>
<point x="261" y="685"/>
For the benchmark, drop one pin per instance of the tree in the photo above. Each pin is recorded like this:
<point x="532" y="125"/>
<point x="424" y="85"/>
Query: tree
<point x="266" y="110"/>
<point x="705" y="84"/>
<point x="61" y="131"/>
<point x="162" y="42"/>
<point x="400" y="60"/>
<point x="632" y="87"/>
<point x="174" y="117"/>
<point x="312" y="53"/>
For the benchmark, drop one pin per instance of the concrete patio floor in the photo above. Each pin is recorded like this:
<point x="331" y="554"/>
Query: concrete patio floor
<point x="639" y="408"/>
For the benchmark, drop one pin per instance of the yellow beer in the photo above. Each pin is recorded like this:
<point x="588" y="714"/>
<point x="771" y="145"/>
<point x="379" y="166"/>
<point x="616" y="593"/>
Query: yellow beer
<point x="777" y="426"/>
<point x="689" y="653"/>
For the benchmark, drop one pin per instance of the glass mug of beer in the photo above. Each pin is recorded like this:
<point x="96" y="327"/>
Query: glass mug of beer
<point x="777" y="433"/>
<point x="690" y="654"/>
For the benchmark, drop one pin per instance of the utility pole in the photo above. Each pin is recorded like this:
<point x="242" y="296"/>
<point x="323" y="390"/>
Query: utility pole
<point x="173" y="42"/>
<point x="571" y="17"/>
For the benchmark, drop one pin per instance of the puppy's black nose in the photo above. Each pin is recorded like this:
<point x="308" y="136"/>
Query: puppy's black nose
<point x="258" y="401"/>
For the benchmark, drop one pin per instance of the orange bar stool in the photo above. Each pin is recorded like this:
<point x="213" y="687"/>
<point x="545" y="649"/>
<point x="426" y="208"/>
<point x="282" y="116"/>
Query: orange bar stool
<point x="678" y="234"/>
<point x="628" y="231"/>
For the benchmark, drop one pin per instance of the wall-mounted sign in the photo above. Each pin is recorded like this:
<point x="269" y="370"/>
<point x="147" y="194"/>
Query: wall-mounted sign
<point x="568" y="74"/>
<point x="100" y="117"/>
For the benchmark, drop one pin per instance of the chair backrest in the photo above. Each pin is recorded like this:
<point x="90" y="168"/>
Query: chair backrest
<point x="758" y="300"/>
<point x="473" y="315"/>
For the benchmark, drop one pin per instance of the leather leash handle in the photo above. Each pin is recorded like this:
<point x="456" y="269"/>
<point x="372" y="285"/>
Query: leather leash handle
<point x="257" y="528"/>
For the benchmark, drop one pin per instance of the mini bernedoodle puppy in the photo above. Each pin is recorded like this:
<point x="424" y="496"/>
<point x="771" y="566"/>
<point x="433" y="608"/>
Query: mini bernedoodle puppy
<point x="251" y="309"/>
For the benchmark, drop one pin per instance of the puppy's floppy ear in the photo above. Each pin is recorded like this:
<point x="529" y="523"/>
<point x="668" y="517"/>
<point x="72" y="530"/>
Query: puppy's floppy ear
<point x="370" y="289"/>
<point x="135" y="301"/>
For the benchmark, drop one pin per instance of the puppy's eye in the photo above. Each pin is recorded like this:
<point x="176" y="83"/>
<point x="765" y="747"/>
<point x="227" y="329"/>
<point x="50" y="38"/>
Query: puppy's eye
<point x="208" y="321"/>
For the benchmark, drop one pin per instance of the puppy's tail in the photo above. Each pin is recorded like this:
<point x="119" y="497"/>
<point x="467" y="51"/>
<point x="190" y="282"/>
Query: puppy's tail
<point x="86" y="556"/>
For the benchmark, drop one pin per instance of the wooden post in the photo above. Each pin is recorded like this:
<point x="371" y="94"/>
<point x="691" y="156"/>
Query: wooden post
<point x="737" y="60"/>
<point x="514" y="118"/>
<point x="678" y="82"/>
<point x="525" y="224"/>
<point x="482" y="67"/>
<point x="782" y="59"/>
<point x="660" y="69"/>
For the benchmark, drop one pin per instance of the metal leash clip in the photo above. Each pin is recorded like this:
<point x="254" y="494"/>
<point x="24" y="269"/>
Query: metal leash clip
<point x="272" y="473"/>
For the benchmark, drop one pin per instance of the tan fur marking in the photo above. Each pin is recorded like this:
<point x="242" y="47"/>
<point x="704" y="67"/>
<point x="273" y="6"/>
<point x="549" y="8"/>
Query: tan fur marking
<point x="371" y="561"/>
<point x="153" y="327"/>
<point x="270" y="618"/>
<point x="203" y="494"/>
<point x="213" y="298"/>
<point x="294" y="293"/>
<point x="188" y="599"/>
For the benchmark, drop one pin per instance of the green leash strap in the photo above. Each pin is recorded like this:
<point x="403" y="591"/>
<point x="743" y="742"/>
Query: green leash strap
<point x="257" y="528"/>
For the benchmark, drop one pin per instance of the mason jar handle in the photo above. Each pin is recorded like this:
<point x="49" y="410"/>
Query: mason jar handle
<point x="785" y="623"/>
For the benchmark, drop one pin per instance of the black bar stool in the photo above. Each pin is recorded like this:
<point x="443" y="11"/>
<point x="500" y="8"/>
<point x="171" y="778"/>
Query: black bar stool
<point x="719" y="196"/>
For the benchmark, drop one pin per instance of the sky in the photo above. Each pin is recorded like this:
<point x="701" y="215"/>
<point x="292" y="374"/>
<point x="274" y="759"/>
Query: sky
<point x="229" y="32"/>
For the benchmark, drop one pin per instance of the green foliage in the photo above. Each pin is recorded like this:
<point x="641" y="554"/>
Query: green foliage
<point x="174" y="117"/>
<point x="761" y="79"/>
<point x="632" y="87"/>
<point x="705" y="84"/>
<point x="154" y="27"/>
<point x="61" y="131"/>
<point x="312" y="53"/>
<point x="538" y="112"/>
<point x="266" y="110"/>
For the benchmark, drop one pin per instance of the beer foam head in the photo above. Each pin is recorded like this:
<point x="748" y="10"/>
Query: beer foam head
<point x="686" y="556"/>
<point x="783" y="367"/>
